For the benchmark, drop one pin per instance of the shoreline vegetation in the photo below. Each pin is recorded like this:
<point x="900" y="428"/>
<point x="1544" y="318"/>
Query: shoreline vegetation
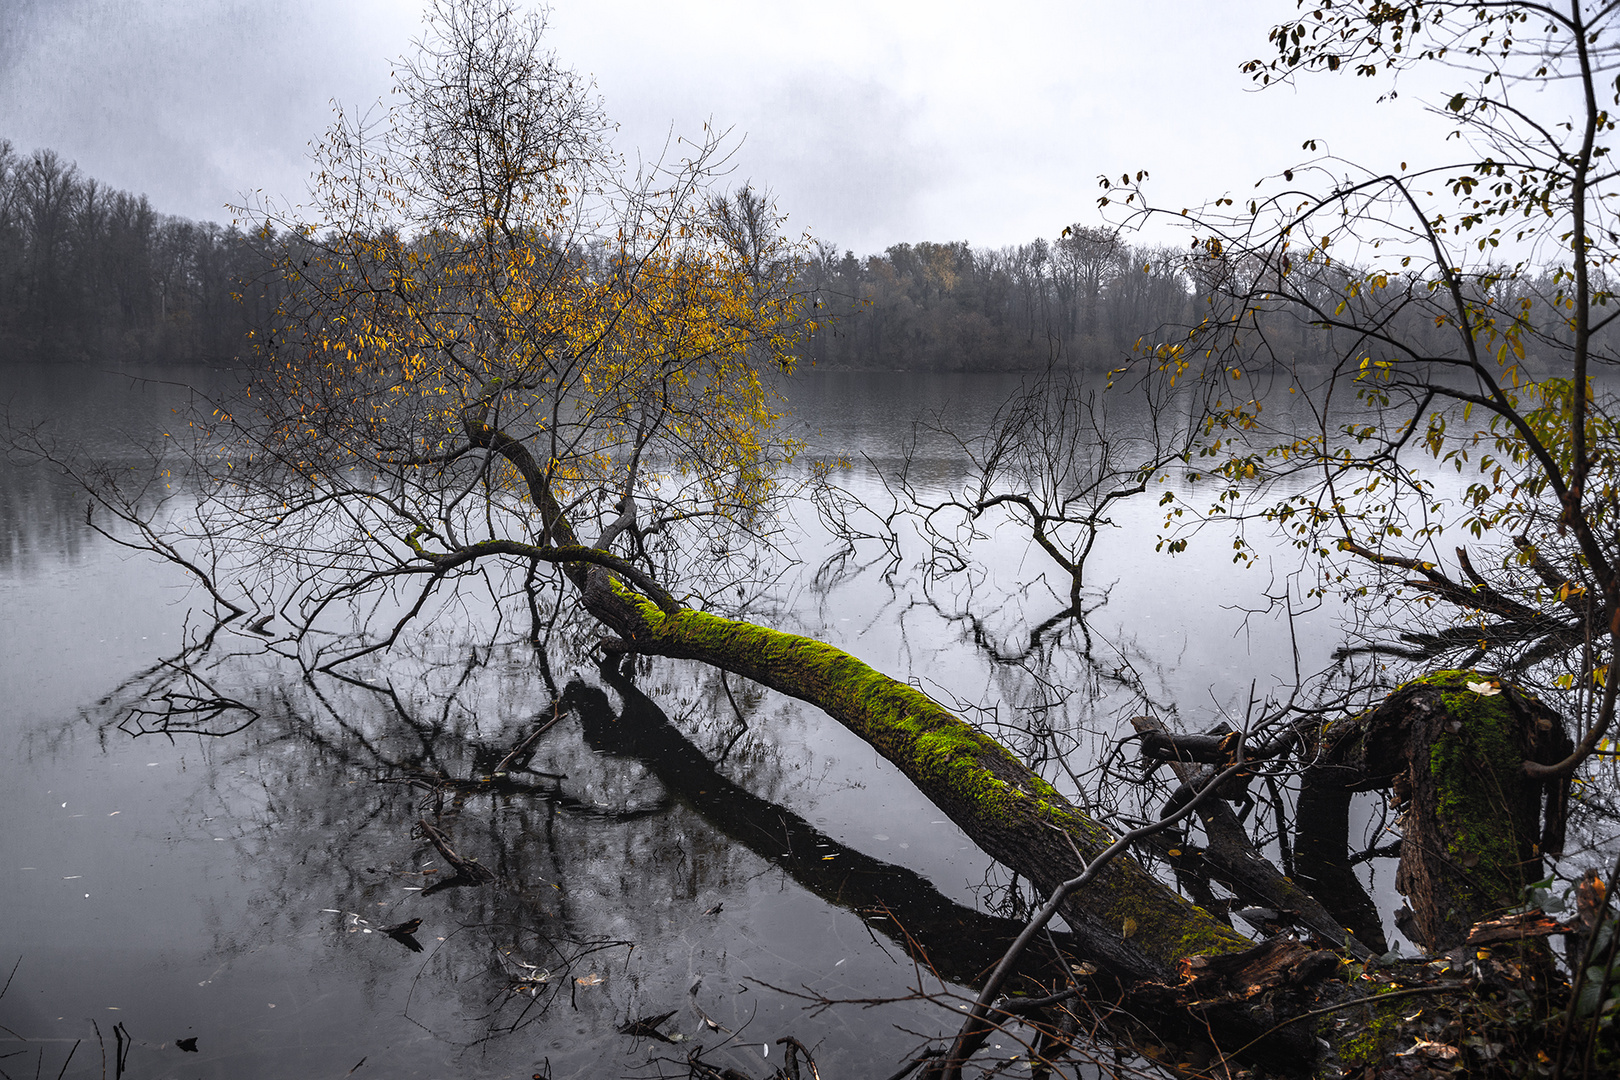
<point x="91" y="274"/>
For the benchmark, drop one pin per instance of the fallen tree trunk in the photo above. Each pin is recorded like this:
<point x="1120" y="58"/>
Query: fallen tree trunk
<point x="1127" y="921"/>
<point x="1154" y="942"/>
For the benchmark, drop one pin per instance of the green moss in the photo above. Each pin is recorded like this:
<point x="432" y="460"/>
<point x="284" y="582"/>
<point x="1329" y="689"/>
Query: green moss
<point x="902" y="721"/>
<point x="1167" y="925"/>
<point x="1043" y="790"/>
<point x="1476" y="772"/>
<point x="949" y="760"/>
<point x="1382" y="1031"/>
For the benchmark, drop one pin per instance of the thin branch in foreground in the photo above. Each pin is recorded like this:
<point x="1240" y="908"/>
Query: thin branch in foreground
<point x="977" y="1026"/>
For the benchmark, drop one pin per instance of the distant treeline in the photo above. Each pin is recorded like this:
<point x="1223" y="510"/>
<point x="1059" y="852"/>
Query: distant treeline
<point x="88" y="273"/>
<point x="1087" y="297"/>
<point x="1091" y="299"/>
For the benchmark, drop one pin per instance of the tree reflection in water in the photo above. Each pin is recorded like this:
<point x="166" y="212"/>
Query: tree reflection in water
<point x="614" y="843"/>
<point x="632" y="875"/>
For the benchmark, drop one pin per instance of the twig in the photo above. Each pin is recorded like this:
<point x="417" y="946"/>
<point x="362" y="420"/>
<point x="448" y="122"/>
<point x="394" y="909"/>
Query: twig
<point x="69" y="1060"/>
<point x="741" y="719"/>
<point x="518" y="750"/>
<point x="794" y="1046"/>
<point x="469" y="869"/>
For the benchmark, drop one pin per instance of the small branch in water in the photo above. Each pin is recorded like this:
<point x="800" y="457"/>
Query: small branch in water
<point x="1391" y="850"/>
<point x="76" y="1043"/>
<point x="905" y="1070"/>
<point x="527" y="744"/>
<point x="794" y="1049"/>
<point x="185" y="711"/>
<point x="468" y="869"/>
<point x="13" y="975"/>
<point x="741" y="719"/>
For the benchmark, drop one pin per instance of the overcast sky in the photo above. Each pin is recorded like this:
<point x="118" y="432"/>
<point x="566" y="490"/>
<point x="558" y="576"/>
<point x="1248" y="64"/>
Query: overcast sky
<point x="874" y="122"/>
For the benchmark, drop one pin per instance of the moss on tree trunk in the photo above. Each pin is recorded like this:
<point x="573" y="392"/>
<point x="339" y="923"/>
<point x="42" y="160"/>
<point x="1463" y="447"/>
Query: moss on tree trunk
<point x="1448" y="745"/>
<point x="1127" y="919"/>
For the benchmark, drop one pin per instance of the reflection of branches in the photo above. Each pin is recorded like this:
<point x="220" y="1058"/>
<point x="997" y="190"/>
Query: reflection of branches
<point x="1051" y="463"/>
<point x="172" y="696"/>
<point x="186" y="711"/>
<point x="852" y="520"/>
<point x="429" y="734"/>
<point x="960" y="940"/>
<point x="1039" y="642"/>
<point x="142" y="499"/>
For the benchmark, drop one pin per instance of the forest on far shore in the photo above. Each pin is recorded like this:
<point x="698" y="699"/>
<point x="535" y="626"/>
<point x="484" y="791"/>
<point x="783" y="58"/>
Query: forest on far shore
<point x="89" y="273"/>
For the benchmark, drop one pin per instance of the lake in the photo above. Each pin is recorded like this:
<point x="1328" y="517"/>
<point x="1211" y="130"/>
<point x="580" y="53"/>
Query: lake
<point x="212" y="907"/>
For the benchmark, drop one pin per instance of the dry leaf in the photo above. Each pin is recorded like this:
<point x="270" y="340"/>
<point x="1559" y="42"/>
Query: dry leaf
<point x="1590" y="893"/>
<point x="1443" y="1051"/>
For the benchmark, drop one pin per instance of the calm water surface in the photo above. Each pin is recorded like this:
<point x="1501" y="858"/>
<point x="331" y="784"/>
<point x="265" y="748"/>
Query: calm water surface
<point x="679" y="845"/>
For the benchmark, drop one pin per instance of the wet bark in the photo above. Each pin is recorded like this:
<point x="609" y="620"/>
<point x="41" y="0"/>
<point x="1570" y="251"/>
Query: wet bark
<point x="1231" y="858"/>
<point x="1450" y="749"/>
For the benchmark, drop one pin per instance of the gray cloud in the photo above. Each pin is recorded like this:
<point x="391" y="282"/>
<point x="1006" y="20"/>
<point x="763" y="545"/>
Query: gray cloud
<point x="190" y="103"/>
<point x="848" y="158"/>
<point x="873" y="122"/>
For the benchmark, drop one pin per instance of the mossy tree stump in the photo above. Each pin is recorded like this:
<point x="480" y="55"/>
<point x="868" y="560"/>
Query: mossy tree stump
<point x="1451" y="749"/>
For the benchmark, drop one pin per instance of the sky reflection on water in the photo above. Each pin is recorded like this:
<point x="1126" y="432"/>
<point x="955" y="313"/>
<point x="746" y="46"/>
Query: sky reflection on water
<point x="220" y="889"/>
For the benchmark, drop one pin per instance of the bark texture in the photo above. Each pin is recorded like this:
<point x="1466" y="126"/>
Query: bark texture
<point x="1231" y="858"/>
<point x="1451" y="749"/>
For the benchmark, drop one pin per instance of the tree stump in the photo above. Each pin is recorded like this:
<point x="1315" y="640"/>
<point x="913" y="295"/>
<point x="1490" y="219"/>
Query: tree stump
<point x="1450" y="748"/>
